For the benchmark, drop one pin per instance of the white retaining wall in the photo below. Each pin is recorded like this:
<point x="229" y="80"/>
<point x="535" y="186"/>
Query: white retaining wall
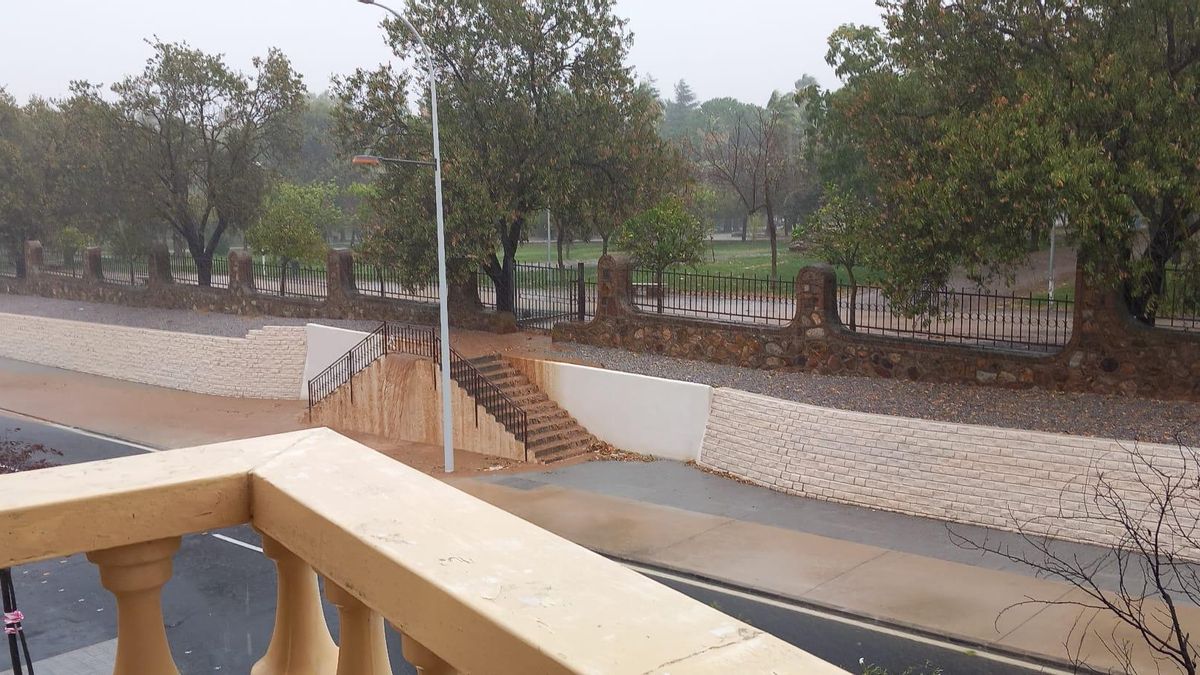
<point x="326" y="344"/>
<point x="987" y="476"/>
<point x="647" y="415"/>
<point x="267" y="363"/>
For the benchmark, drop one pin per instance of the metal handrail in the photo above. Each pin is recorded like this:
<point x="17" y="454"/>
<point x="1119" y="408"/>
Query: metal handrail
<point x="388" y="339"/>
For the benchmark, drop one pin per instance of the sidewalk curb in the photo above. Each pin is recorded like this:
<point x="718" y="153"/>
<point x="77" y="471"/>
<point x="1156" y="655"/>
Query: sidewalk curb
<point x="80" y="430"/>
<point x="957" y="640"/>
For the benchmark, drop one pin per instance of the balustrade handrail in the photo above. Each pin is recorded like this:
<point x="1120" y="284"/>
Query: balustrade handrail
<point x="470" y="586"/>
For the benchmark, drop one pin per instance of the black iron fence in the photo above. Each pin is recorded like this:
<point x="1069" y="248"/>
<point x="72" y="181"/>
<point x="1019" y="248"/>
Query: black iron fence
<point x="385" y="282"/>
<point x="546" y="294"/>
<point x="420" y="341"/>
<point x="730" y="298"/>
<point x="184" y="271"/>
<point x="125" y="270"/>
<point x="63" y="262"/>
<point x="8" y="262"/>
<point x="291" y="279"/>
<point x="1179" y="308"/>
<point x="983" y="318"/>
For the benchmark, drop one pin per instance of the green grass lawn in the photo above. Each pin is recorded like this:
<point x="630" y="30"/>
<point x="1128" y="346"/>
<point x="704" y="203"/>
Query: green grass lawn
<point x="751" y="258"/>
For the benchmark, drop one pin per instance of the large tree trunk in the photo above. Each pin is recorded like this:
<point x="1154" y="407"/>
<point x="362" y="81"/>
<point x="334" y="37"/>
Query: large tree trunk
<point x="204" y="267"/>
<point x="604" y="243"/>
<point x="745" y="224"/>
<point x="853" y="296"/>
<point x="283" y="266"/>
<point x="1143" y="298"/>
<point x="562" y="234"/>
<point x="771" y="233"/>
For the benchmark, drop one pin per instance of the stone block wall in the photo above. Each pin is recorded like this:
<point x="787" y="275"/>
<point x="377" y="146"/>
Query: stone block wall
<point x="342" y="302"/>
<point x="987" y="476"/>
<point x="1107" y="353"/>
<point x="267" y="363"/>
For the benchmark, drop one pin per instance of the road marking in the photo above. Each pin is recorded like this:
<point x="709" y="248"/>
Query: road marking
<point x="866" y="625"/>
<point x="81" y="432"/>
<point x="236" y="542"/>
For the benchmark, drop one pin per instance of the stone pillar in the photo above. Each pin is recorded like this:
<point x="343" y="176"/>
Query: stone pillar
<point x="425" y="661"/>
<point x="612" y="287"/>
<point x="339" y="277"/>
<point x="300" y="643"/>
<point x="362" y="649"/>
<point x="93" y="269"/>
<point x="135" y="574"/>
<point x="160" y="266"/>
<point x="241" y="273"/>
<point x="33" y="259"/>
<point x="816" y="300"/>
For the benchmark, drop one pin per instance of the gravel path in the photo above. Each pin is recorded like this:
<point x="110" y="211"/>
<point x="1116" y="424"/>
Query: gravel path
<point x="1079" y="414"/>
<point x="179" y="320"/>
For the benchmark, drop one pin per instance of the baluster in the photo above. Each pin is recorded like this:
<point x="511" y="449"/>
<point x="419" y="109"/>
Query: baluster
<point x="135" y="575"/>
<point x="362" y="649"/>
<point x="425" y="661"/>
<point x="300" y="642"/>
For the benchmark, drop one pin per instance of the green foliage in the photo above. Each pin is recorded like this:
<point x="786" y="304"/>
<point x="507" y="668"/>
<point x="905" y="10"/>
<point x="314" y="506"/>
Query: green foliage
<point x="293" y="219"/>
<point x="517" y="80"/>
<point x="841" y="232"/>
<point x="976" y="125"/>
<point x="665" y="235"/>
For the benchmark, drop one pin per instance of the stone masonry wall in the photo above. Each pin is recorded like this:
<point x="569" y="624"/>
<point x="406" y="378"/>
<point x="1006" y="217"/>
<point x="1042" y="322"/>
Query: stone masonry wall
<point x="987" y="476"/>
<point x="267" y="363"/>
<point x="343" y="300"/>
<point x="1107" y="353"/>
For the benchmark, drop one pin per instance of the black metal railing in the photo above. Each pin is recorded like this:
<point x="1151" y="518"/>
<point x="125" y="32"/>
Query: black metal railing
<point x="184" y="271"/>
<point x="982" y="318"/>
<point x="291" y="279"/>
<point x="730" y="298"/>
<point x="62" y="262"/>
<point x="1179" y="307"/>
<point x="125" y="270"/>
<point x="546" y="294"/>
<point x="8" y="262"/>
<point x="421" y="341"/>
<point x="384" y="282"/>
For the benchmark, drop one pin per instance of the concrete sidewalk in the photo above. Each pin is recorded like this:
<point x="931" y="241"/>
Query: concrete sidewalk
<point x="895" y="569"/>
<point x="987" y="602"/>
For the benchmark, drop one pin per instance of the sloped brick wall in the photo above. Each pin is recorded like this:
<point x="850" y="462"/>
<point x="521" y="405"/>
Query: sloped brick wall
<point x="267" y="363"/>
<point x="1003" y="478"/>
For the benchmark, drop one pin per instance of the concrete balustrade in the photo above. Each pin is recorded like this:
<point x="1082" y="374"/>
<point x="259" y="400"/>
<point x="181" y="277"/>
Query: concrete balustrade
<point x="470" y="587"/>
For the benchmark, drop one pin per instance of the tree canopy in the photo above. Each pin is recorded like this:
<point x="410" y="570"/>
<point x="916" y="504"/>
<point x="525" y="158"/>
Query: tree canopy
<point x="975" y="125"/>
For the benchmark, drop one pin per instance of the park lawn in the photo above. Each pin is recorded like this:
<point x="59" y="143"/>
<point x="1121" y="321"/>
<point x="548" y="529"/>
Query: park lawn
<point x="751" y="258"/>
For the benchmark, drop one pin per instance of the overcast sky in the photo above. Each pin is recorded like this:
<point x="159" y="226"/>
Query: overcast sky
<point x="740" y="48"/>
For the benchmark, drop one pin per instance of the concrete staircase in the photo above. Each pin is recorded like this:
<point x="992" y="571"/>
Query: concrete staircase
<point x="553" y="434"/>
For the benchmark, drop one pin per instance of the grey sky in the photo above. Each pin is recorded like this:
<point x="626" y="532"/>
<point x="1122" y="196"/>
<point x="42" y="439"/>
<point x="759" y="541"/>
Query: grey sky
<point x="741" y="48"/>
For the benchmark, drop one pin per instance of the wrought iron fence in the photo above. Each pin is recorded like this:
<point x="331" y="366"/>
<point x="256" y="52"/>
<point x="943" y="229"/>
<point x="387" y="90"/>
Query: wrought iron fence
<point x="1006" y="320"/>
<point x="730" y="298"/>
<point x="1179" y="308"/>
<point x="127" y="271"/>
<point x="184" y="271"/>
<point x="63" y="262"/>
<point x="8" y="262"/>
<point x="291" y="279"/>
<point x="385" y="283"/>
<point x="546" y="294"/>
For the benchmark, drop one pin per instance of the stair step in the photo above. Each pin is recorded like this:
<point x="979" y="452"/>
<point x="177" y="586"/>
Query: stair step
<point x="559" y="453"/>
<point x="548" y="435"/>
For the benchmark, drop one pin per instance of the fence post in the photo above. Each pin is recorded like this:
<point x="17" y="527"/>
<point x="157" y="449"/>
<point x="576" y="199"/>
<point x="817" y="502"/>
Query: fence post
<point x="33" y="259"/>
<point x="581" y="289"/>
<point x="93" y="269"/>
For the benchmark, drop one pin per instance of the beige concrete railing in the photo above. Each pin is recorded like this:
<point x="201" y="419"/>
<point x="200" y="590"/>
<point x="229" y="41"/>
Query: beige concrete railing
<point x="472" y="589"/>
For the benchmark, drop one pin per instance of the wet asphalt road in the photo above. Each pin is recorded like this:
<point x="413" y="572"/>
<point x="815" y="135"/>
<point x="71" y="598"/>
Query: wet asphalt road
<point x="219" y="604"/>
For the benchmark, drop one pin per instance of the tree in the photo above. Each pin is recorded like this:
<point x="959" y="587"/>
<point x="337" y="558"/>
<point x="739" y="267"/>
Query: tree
<point x="986" y="121"/>
<point x="197" y="140"/>
<point x="515" y="78"/>
<point x="1148" y="505"/>
<point x="31" y="169"/>
<point x="292" y="223"/>
<point x="665" y="235"/>
<point x="841" y="233"/>
<point x="680" y="113"/>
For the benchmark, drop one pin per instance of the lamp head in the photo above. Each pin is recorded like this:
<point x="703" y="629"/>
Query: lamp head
<point x="366" y="160"/>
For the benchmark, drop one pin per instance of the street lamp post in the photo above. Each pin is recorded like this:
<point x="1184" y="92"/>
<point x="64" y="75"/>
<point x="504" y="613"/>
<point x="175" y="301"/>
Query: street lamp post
<point x="443" y="305"/>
